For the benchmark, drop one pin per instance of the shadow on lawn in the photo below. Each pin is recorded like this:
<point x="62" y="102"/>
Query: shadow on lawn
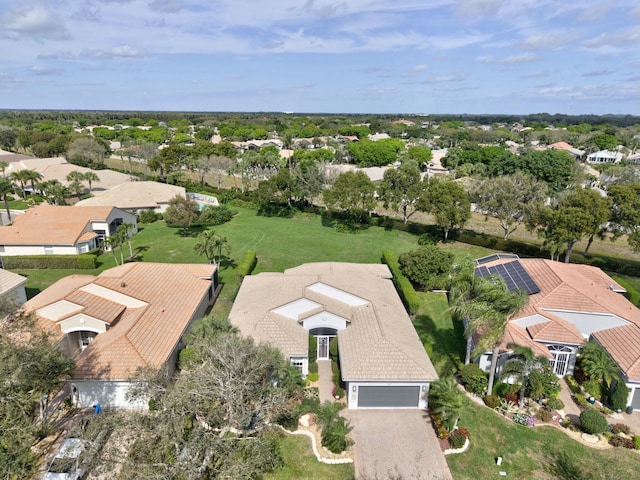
<point x="445" y="347"/>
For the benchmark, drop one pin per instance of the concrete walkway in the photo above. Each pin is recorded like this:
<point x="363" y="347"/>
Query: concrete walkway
<point x="396" y="444"/>
<point x="325" y="381"/>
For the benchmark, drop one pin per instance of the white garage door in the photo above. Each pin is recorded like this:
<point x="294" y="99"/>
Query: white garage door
<point x="388" y="396"/>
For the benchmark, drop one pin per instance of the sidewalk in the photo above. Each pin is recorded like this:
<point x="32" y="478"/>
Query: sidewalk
<point x="325" y="381"/>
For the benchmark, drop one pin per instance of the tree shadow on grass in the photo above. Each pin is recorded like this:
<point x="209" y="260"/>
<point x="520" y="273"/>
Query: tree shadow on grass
<point x="446" y="347"/>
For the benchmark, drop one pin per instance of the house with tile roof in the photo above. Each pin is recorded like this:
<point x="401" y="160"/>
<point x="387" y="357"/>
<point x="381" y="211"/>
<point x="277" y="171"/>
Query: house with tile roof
<point x="136" y="196"/>
<point x="569" y="304"/>
<point x="382" y="360"/>
<point x="61" y="230"/>
<point x="12" y="287"/>
<point x="127" y="318"/>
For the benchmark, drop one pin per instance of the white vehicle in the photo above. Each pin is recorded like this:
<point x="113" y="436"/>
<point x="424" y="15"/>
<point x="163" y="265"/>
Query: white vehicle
<point x="66" y="463"/>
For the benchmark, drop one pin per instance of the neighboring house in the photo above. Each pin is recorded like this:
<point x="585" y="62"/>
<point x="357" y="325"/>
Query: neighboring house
<point x="12" y="287"/>
<point x="604" y="156"/>
<point x="576" y="153"/>
<point x="136" y="196"/>
<point x="61" y="230"/>
<point x="382" y="360"/>
<point x="127" y="318"/>
<point x="568" y="305"/>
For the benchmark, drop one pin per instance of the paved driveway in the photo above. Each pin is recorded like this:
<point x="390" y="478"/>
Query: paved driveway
<point x="396" y="444"/>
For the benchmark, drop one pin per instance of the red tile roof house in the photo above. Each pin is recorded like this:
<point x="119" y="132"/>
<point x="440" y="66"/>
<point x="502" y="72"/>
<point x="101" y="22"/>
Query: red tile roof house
<point x="382" y="360"/>
<point x="569" y="305"/>
<point x="128" y="317"/>
<point x="61" y="230"/>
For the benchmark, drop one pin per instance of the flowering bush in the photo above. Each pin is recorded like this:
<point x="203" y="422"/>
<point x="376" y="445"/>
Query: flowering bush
<point x="522" y="419"/>
<point x="456" y="439"/>
<point x="620" y="428"/>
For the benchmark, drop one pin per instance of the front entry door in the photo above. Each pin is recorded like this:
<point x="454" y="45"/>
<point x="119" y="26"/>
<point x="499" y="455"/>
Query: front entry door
<point x="323" y="347"/>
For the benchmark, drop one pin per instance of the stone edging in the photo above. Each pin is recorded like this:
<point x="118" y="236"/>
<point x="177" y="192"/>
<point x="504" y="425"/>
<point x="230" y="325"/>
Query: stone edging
<point x="314" y="448"/>
<point x="465" y="447"/>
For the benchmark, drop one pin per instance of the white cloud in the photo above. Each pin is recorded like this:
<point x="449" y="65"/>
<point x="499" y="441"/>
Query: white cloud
<point x="34" y="22"/>
<point x="412" y="72"/>
<point x="547" y="40"/>
<point x="124" y="51"/>
<point x="509" y="60"/>
<point x="456" y="77"/>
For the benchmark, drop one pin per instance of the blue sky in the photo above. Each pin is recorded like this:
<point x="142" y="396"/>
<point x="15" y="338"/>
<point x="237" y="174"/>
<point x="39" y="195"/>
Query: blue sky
<point x="345" y="56"/>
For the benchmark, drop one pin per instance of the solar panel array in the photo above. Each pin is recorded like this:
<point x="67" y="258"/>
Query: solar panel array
<point x="514" y="275"/>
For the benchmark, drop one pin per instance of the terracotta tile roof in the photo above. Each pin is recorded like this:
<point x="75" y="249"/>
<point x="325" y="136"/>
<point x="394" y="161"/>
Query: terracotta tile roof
<point x="379" y="343"/>
<point x="570" y="289"/>
<point x="623" y="344"/>
<point x="144" y="336"/>
<point x="63" y="225"/>
<point x="519" y="336"/>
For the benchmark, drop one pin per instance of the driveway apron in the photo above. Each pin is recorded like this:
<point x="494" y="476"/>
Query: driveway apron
<point x="394" y="444"/>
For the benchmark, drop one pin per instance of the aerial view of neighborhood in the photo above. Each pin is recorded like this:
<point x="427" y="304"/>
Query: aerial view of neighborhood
<point x="300" y="241"/>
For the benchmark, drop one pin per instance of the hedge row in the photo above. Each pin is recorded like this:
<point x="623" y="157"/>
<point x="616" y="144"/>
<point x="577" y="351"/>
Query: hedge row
<point x="84" y="261"/>
<point x="402" y="283"/>
<point x="247" y="264"/>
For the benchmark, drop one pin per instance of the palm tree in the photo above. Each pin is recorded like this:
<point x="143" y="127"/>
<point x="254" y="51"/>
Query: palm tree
<point x="32" y="176"/>
<point x="21" y="178"/>
<point x="126" y="232"/>
<point x="485" y="303"/>
<point x="90" y="177"/>
<point x="76" y="187"/>
<point x="75" y="179"/>
<point x="520" y="365"/>
<point x="109" y="243"/>
<point x="446" y="400"/>
<point x="597" y="363"/>
<point x="6" y="187"/>
<point x="3" y="166"/>
<point x="210" y="244"/>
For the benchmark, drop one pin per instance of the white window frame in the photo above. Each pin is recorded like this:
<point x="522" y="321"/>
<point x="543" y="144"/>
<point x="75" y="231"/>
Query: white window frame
<point x="85" y="338"/>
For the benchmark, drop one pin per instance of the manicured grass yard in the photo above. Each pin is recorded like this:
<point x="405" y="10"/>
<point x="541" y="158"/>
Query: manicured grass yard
<point x="533" y="452"/>
<point x="300" y="463"/>
<point x="442" y="337"/>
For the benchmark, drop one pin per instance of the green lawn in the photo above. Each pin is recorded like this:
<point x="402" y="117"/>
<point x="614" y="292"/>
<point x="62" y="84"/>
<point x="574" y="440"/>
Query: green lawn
<point x="540" y="452"/>
<point x="301" y="464"/>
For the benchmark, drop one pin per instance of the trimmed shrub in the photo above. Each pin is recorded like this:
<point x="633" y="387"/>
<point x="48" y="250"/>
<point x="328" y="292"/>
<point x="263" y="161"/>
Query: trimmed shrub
<point x="288" y="418"/>
<point x="618" y="441"/>
<point x="403" y="285"/>
<point x="544" y="415"/>
<point x="474" y="378"/>
<point x="618" y="395"/>
<point x="212" y="215"/>
<point x="313" y="367"/>
<point x="636" y="442"/>
<point x="511" y="397"/>
<point x="456" y="439"/>
<point x="312" y="353"/>
<point x="147" y="216"/>
<point x="84" y="261"/>
<point x="581" y="401"/>
<point x="593" y="422"/>
<point x="620" y="428"/>
<point x="573" y="384"/>
<point x="247" y="264"/>
<point x="313" y="376"/>
<point x="555" y="404"/>
<point x="333" y="348"/>
<point x="492" y="401"/>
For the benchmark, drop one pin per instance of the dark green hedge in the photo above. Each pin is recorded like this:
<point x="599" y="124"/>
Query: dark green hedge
<point x="402" y="283"/>
<point x="84" y="261"/>
<point x="247" y="264"/>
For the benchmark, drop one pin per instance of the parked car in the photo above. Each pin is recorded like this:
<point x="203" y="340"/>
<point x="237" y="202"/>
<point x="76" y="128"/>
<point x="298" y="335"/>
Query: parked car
<point x="66" y="463"/>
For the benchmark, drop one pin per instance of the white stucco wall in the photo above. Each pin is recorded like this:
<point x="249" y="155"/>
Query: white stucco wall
<point x="14" y="250"/>
<point x="108" y="393"/>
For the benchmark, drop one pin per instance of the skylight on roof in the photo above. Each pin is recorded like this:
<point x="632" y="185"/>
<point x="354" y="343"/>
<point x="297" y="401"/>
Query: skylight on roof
<point x="294" y="310"/>
<point x="337" y="294"/>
